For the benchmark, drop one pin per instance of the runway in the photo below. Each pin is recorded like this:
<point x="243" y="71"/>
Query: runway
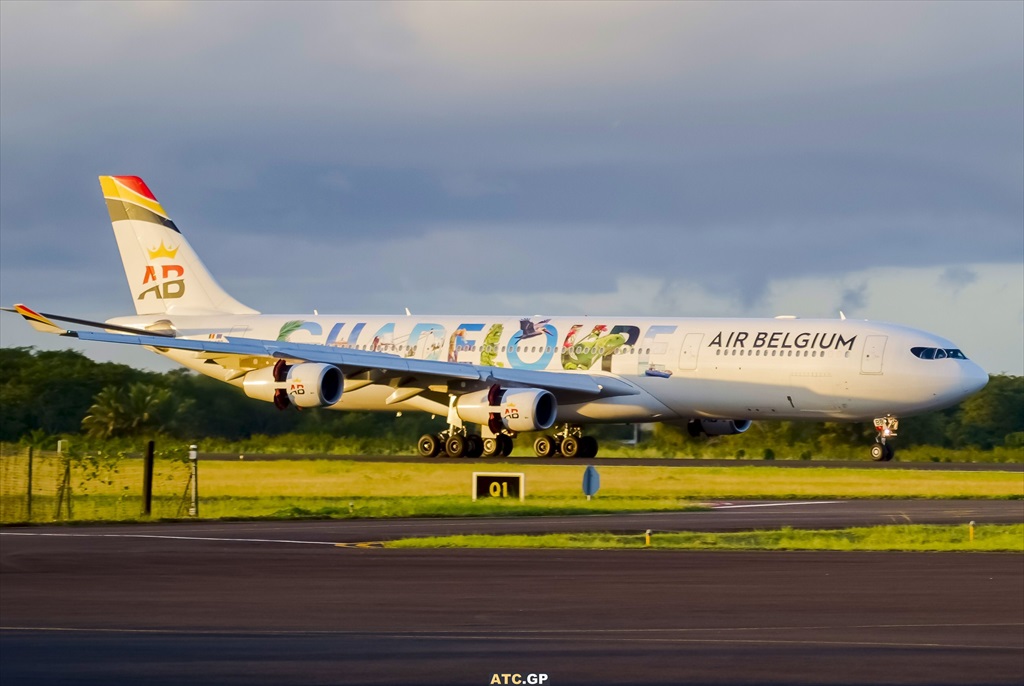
<point x="280" y="603"/>
<point x="681" y="462"/>
<point x="721" y="516"/>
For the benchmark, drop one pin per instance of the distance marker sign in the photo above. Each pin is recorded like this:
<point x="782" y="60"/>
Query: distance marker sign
<point x="499" y="485"/>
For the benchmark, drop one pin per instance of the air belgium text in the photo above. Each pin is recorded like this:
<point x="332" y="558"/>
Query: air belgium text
<point x="782" y="340"/>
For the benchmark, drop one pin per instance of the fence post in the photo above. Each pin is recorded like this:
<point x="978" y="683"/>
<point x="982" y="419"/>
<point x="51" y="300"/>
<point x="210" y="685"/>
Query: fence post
<point x="193" y="462"/>
<point x="64" y="492"/>
<point x="147" y="480"/>
<point x="28" y="494"/>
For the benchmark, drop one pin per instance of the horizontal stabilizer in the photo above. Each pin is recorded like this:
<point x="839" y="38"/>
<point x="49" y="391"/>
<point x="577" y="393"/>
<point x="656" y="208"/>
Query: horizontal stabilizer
<point x="38" y="321"/>
<point x="44" y="317"/>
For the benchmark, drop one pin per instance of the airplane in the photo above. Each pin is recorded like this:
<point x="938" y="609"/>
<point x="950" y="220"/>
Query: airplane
<point x="509" y="375"/>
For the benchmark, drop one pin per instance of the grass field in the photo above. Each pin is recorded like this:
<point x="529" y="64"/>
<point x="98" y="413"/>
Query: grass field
<point x="344" y="479"/>
<point x="916" y="537"/>
<point x="345" y="488"/>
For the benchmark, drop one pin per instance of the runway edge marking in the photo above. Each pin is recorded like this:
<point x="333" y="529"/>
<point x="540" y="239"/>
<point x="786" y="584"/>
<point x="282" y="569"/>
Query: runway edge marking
<point x="370" y="544"/>
<point x="749" y="505"/>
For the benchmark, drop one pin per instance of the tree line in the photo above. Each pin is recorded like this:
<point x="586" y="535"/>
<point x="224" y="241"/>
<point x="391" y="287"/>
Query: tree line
<point x="52" y="393"/>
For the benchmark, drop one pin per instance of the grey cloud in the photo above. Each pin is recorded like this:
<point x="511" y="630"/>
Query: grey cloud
<point x="957" y="278"/>
<point x="562" y="146"/>
<point x="853" y="299"/>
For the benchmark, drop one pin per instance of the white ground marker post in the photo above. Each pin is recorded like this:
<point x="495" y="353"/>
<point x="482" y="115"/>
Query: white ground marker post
<point x="193" y="465"/>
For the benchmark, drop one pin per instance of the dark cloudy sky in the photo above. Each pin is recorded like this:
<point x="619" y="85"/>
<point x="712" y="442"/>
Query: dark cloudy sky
<point x="747" y="159"/>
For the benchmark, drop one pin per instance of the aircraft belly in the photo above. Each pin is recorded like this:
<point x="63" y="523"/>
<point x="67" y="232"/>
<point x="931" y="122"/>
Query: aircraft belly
<point x="780" y="397"/>
<point x="627" y="409"/>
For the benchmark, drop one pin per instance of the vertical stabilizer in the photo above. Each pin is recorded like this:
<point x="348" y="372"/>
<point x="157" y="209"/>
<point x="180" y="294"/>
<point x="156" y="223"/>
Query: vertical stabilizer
<point x="164" y="274"/>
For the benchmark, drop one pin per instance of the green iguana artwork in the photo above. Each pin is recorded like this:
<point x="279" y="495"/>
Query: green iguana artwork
<point x="582" y="354"/>
<point x="488" y="353"/>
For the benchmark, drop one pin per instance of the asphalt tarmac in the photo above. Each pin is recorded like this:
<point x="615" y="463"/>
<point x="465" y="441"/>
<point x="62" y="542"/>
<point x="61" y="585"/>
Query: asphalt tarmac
<point x="280" y="603"/>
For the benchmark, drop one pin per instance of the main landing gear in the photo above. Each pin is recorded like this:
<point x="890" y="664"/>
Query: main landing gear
<point x="569" y="442"/>
<point x="458" y="442"/>
<point x="886" y="427"/>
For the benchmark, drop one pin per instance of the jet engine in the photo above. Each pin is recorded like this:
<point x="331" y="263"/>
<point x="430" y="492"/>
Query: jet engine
<point x="307" y="384"/>
<point x="717" y="427"/>
<point x="515" y="409"/>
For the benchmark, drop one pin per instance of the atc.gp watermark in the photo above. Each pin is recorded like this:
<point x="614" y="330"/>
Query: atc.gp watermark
<point x="518" y="679"/>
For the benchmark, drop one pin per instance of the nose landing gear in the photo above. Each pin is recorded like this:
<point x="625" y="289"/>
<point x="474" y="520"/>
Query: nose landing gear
<point x="886" y="427"/>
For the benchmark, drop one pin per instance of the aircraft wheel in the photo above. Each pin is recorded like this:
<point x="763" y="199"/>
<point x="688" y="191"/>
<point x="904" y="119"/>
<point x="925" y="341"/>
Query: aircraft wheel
<point x="474" y="445"/>
<point x="570" y="447"/>
<point x="428" y="445"/>
<point x="888" y="453"/>
<point x="506" y="445"/>
<point x="544" y="446"/>
<point x="588" y="446"/>
<point x="878" y="452"/>
<point x="455" y="446"/>
<point x="492" y="446"/>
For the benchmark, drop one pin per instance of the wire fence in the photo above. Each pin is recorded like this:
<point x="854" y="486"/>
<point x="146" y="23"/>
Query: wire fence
<point x="47" y="486"/>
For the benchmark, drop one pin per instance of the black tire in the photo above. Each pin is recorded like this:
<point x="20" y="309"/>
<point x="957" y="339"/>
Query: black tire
<point x="428" y="445"/>
<point x="588" y="446"/>
<point x="474" y="445"/>
<point x="455" y="446"/>
<point x="878" y="452"/>
<point x="570" y="447"/>
<point x="492" y="446"/>
<point x="506" y="445"/>
<point x="888" y="453"/>
<point x="544" y="446"/>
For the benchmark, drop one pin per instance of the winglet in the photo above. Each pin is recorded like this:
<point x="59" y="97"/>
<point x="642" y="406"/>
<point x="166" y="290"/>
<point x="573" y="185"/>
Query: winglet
<point x="39" y="322"/>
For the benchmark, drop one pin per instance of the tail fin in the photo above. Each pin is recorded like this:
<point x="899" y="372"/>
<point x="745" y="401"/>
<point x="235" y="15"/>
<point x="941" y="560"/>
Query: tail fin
<point x="164" y="274"/>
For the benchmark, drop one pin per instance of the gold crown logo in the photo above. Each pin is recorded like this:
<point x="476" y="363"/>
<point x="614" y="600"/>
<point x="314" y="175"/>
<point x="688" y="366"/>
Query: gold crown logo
<point x="162" y="251"/>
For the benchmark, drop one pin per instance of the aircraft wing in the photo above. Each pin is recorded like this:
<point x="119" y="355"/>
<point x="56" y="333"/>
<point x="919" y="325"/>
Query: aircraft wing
<point x="245" y="354"/>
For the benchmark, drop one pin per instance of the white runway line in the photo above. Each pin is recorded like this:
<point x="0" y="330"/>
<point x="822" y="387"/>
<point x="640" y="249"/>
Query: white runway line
<point x="175" y="538"/>
<point x="809" y="502"/>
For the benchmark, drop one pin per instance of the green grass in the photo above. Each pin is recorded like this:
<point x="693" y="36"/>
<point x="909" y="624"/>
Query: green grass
<point x="324" y="488"/>
<point x="343" y="479"/>
<point x="914" y="537"/>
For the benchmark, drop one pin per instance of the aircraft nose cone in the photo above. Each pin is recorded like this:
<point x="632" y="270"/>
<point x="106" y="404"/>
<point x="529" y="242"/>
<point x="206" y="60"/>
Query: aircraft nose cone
<point x="974" y="379"/>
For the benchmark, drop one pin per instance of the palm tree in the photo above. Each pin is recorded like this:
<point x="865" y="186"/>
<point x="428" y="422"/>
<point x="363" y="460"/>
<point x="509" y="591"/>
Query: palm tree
<point x="141" y="408"/>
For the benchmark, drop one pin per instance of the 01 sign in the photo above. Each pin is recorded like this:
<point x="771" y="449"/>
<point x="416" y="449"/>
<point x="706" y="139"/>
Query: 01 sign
<point x="499" y="485"/>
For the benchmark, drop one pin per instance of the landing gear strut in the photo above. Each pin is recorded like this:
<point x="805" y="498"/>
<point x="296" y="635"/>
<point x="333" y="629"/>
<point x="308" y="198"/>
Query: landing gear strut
<point x="569" y="442"/>
<point x="886" y="427"/>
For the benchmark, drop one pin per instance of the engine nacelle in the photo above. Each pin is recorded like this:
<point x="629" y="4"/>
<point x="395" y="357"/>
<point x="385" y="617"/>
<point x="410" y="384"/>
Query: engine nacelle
<point x="515" y="409"/>
<point x="717" y="427"/>
<point x="308" y="384"/>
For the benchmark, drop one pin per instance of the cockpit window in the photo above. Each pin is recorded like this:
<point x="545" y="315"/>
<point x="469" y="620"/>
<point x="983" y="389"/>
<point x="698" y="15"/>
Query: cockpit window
<point x="937" y="353"/>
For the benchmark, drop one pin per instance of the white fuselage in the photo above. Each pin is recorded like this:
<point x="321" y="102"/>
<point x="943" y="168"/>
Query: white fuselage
<point x="683" y="368"/>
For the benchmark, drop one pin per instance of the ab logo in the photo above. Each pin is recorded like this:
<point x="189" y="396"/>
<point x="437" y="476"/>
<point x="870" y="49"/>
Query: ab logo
<point x="174" y="288"/>
<point x="169" y="287"/>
